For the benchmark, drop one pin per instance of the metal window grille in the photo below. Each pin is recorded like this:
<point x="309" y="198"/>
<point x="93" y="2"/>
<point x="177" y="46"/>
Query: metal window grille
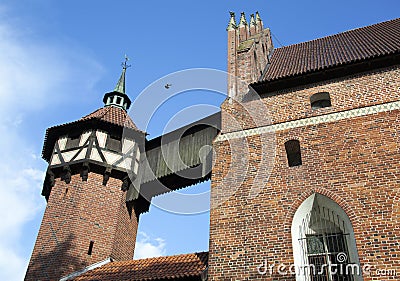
<point x="323" y="240"/>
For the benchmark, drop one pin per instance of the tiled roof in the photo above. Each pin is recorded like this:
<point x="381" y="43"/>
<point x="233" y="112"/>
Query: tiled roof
<point x="113" y="115"/>
<point x="186" y="266"/>
<point x="348" y="47"/>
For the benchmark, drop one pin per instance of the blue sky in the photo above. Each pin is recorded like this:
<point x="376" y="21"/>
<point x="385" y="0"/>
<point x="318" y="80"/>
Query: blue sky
<point x="58" y="58"/>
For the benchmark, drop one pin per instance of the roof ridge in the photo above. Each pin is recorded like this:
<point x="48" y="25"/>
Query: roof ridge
<point x="175" y="255"/>
<point x="339" y="33"/>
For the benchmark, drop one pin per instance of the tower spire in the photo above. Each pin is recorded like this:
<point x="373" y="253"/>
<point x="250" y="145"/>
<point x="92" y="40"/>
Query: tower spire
<point x="259" y="22"/>
<point x="232" y="22"/>
<point x="243" y="28"/>
<point x="120" y="87"/>
<point x="118" y="97"/>
<point x="258" y="18"/>
<point x="253" y="25"/>
<point x="243" y="21"/>
<point x="252" y="20"/>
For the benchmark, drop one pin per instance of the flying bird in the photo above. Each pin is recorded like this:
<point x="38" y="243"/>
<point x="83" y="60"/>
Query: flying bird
<point x="167" y="86"/>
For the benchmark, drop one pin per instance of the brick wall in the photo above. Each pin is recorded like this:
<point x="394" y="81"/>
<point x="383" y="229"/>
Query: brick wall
<point x="77" y="213"/>
<point x="245" y="64"/>
<point x="353" y="161"/>
<point x="356" y="91"/>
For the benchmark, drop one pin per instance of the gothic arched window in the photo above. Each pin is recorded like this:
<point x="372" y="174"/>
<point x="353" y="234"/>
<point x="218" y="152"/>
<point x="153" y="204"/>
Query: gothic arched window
<point x="323" y="242"/>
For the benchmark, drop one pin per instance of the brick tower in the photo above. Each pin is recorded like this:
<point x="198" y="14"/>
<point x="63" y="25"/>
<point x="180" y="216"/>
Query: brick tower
<point x="93" y="163"/>
<point x="248" y="51"/>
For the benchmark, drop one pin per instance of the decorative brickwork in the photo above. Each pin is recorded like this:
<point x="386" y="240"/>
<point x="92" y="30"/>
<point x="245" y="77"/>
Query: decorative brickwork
<point x="332" y="117"/>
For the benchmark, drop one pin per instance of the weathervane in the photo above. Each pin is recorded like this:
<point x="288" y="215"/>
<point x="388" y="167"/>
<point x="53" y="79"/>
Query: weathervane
<point x="124" y="64"/>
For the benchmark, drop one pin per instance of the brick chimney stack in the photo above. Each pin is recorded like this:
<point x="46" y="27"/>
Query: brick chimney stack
<point x="249" y="49"/>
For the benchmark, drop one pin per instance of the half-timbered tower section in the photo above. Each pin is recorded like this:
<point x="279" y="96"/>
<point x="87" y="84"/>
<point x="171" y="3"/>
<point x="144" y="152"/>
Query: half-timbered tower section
<point x="92" y="162"/>
<point x="327" y="191"/>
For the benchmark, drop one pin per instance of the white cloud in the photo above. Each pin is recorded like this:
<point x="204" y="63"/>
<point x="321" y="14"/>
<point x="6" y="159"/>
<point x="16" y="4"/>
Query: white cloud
<point x="33" y="77"/>
<point x="147" y="247"/>
<point x="20" y="202"/>
<point x="11" y="264"/>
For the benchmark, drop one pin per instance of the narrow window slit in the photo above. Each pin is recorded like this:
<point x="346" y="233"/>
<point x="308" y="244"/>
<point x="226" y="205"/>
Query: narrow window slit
<point x="90" y="248"/>
<point x="293" y="153"/>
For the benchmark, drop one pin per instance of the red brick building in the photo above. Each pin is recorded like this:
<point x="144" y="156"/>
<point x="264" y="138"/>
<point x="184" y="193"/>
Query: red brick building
<point x="305" y="181"/>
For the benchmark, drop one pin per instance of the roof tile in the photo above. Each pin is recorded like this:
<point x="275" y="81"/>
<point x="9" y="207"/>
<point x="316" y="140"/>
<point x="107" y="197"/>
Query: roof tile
<point x="351" y="46"/>
<point x="113" y="115"/>
<point x="159" y="268"/>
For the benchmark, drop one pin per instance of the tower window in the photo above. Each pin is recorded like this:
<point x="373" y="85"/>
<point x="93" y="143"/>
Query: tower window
<point x="90" y="250"/>
<point x="109" y="100"/>
<point x="72" y="141"/>
<point x="320" y="100"/>
<point x="114" y="143"/>
<point x="293" y="153"/>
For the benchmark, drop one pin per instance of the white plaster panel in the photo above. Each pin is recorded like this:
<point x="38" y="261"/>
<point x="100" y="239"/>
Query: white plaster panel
<point x="68" y="155"/>
<point x="101" y="138"/>
<point x="81" y="154"/>
<point x="111" y="157"/>
<point x="137" y="153"/>
<point x="127" y="144"/>
<point x="84" y="138"/>
<point x="55" y="160"/>
<point x="62" y="142"/>
<point x="95" y="155"/>
<point x="126" y="164"/>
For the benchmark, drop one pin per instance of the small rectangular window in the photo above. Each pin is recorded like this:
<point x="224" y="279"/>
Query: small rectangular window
<point x="320" y="100"/>
<point x="114" y="143"/>
<point x="73" y="141"/>
<point x="293" y="153"/>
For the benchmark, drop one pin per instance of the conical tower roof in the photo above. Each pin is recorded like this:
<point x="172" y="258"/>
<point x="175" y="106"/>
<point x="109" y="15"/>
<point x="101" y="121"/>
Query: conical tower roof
<point x="113" y="116"/>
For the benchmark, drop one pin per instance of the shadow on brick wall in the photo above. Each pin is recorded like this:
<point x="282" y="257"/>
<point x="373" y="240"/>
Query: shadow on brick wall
<point x="52" y="264"/>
